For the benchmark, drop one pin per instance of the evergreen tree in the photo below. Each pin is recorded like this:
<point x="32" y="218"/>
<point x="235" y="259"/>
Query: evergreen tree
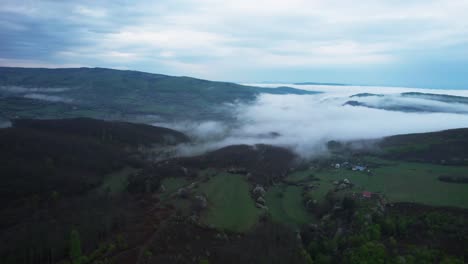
<point x="75" y="247"/>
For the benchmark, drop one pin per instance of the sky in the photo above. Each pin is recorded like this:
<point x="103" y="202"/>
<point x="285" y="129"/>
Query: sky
<point x="411" y="43"/>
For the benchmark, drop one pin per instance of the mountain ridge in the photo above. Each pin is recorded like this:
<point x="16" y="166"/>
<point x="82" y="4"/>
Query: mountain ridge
<point x="123" y="94"/>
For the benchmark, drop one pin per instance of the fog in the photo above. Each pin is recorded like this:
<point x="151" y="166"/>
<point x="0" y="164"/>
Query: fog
<point x="49" y="98"/>
<point x="20" y="89"/>
<point x="4" y="123"/>
<point x="305" y="123"/>
<point x="41" y="93"/>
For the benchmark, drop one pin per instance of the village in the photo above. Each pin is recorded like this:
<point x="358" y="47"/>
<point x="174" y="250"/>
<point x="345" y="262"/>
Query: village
<point x="312" y="190"/>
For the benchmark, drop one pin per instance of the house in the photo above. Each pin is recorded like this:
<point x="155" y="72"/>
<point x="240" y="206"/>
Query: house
<point x="359" y="168"/>
<point x="366" y="194"/>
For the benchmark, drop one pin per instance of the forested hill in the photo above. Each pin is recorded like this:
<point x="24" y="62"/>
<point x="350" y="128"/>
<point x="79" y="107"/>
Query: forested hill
<point x="119" y="94"/>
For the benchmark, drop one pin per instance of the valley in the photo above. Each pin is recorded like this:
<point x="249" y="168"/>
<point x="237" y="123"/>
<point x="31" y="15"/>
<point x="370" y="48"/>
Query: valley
<point x="138" y="210"/>
<point x="233" y="132"/>
<point x="182" y="170"/>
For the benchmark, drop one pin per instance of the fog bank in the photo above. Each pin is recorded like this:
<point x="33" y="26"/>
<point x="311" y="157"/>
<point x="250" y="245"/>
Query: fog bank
<point x="305" y="123"/>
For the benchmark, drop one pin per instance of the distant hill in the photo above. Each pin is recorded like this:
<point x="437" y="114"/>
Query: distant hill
<point x="320" y="83"/>
<point x="448" y="147"/>
<point x="118" y="94"/>
<point x="444" y="147"/>
<point x="437" y="97"/>
<point x="286" y="90"/>
<point x="366" y="95"/>
<point x="424" y="102"/>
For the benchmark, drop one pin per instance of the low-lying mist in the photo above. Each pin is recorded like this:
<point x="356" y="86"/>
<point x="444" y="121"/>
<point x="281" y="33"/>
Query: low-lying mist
<point x="304" y="123"/>
<point x="38" y="93"/>
<point x="49" y="98"/>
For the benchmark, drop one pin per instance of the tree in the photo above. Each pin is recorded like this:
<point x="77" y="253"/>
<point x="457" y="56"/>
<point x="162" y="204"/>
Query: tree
<point x="75" y="247"/>
<point x="349" y="203"/>
<point x="306" y="256"/>
<point x="451" y="260"/>
<point x="373" y="232"/>
<point x="369" y="253"/>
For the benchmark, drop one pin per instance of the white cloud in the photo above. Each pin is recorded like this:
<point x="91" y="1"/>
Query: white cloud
<point x="36" y="64"/>
<point x="12" y="26"/>
<point x="275" y="34"/>
<point x="90" y="12"/>
<point x="186" y="37"/>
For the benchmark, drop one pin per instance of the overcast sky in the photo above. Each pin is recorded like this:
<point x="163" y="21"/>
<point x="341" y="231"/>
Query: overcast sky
<point x="420" y="43"/>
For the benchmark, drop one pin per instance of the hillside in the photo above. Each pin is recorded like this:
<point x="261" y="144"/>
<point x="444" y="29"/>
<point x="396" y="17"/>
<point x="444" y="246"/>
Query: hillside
<point x="444" y="147"/>
<point x="71" y="154"/>
<point x="91" y="182"/>
<point x="448" y="147"/>
<point x="119" y="133"/>
<point x="118" y="94"/>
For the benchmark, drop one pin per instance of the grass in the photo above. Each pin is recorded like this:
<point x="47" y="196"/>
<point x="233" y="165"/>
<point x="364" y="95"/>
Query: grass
<point x="401" y="182"/>
<point x="408" y="148"/>
<point x="116" y="182"/>
<point x="324" y="182"/>
<point x="304" y="176"/>
<point x="171" y="185"/>
<point x="415" y="182"/>
<point x="285" y="205"/>
<point x="230" y="206"/>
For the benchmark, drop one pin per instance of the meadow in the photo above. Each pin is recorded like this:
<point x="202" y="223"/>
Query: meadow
<point x="398" y="182"/>
<point x="230" y="206"/>
<point x="229" y="203"/>
<point x="285" y="205"/>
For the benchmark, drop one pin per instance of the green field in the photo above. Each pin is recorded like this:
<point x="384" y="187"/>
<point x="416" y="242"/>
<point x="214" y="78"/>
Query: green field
<point x="229" y="203"/>
<point x="231" y="207"/>
<point x="116" y="182"/>
<point x="171" y="185"/>
<point x="285" y="205"/>
<point x="399" y="182"/>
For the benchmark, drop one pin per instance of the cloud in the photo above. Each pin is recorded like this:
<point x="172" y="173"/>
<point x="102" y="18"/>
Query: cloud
<point x="90" y="12"/>
<point x="36" y="64"/>
<point x="305" y="123"/>
<point x="4" y="123"/>
<point x="242" y="39"/>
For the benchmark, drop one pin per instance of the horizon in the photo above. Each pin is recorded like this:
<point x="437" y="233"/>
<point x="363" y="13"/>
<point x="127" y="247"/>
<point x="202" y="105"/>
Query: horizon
<point x="388" y="43"/>
<point x="265" y="82"/>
